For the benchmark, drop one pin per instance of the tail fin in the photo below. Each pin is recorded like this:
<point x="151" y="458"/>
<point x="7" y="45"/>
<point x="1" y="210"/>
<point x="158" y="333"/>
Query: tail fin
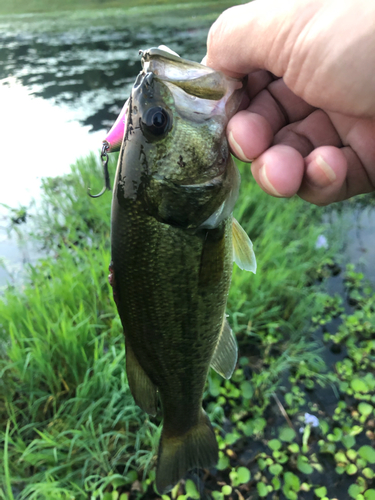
<point x="177" y="455"/>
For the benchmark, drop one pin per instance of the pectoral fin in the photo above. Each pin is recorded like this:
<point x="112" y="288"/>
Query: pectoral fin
<point x="243" y="253"/>
<point x="141" y="387"/>
<point x="226" y="208"/>
<point x="224" y="358"/>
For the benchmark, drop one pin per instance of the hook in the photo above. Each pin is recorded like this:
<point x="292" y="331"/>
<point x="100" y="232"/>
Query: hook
<point x="104" y="159"/>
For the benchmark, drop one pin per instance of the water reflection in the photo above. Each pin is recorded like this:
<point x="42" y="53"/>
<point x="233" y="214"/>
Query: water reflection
<point x="360" y="242"/>
<point x="41" y="140"/>
<point x="63" y="76"/>
<point x="90" y="67"/>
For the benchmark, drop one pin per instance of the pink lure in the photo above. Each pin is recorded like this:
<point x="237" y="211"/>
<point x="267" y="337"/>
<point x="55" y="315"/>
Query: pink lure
<point x="116" y="134"/>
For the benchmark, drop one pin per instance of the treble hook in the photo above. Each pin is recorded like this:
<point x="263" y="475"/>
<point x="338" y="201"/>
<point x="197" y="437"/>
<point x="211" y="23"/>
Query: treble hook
<point x="104" y="159"/>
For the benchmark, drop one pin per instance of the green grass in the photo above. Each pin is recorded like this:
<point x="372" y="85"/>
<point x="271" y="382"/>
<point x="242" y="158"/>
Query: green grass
<point x="69" y="427"/>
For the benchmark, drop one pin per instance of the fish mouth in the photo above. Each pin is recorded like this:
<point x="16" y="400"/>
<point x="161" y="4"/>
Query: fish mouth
<point x="199" y="92"/>
<point x="194" y="78"/>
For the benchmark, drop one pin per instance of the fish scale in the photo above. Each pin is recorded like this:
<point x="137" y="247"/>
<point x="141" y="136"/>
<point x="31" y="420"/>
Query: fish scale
<point x="160" y="294"/>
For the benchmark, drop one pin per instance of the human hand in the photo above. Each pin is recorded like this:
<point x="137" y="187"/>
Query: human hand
<point x="308" y="120"/>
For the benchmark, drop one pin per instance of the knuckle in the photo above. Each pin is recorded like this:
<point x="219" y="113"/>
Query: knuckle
<point x="218" y="30"/>
<point x="212" y="35"/>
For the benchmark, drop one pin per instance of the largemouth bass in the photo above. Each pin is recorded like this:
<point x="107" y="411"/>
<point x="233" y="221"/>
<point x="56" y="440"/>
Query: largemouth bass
<point x="173" y="244"/>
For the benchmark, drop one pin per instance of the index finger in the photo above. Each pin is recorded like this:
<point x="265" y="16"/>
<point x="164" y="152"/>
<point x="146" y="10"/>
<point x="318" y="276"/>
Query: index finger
<point x="230" y="42"/>
<point x="257" y="35"/>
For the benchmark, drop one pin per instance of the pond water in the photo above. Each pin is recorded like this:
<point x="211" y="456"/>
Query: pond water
<point x="63" y="80"/>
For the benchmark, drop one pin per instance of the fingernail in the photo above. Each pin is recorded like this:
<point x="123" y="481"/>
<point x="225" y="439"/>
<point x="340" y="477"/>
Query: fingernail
<point x="327" y="169"/>
<point x="237" y="149"/>
<point x="319" y="173"/>
<point x="266" y="182"/>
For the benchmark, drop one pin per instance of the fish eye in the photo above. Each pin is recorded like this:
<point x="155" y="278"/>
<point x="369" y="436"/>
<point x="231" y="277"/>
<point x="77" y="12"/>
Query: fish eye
<point x="156" y="121"/>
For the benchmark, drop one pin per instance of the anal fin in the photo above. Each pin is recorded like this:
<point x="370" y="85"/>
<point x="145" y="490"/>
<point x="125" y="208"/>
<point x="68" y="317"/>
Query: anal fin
<point x="224" y="358"/>
<point x="141" y="387"/>
<point x="243" y="253"/>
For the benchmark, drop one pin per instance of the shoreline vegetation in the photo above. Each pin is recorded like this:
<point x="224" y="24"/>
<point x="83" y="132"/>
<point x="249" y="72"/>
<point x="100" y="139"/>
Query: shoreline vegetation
<point x="297" y="419"/>
<point x="16" y="7"/>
